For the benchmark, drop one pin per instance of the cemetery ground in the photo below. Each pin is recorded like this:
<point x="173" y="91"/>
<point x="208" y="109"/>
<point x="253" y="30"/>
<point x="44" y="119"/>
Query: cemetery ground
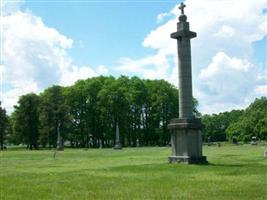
<point x="234" y="172"/>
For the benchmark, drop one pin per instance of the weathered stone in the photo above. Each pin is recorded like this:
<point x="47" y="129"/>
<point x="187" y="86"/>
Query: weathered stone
<point x="186" y="142"/>
<point x="137" y="143"/>
<point x="60" y="145"/>
<point x="265" y="154"/>
<point x="117" y="141"/>
<point x="186" y="139"/>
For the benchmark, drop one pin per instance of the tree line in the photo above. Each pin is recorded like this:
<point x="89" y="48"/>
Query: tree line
<point x="238" y="125"/>
<point x="86" y="113"/>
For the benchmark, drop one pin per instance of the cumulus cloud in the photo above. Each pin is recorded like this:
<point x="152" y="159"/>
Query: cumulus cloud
<point x="151" y="67"/>
<point x="226" y="31"/>
<point x="261" y="90"/>
<point x="34" y="56"/>
<point x="101" y="69"/>
<point x="228" y="82"/>
<point x="71" y="76"/>
<point x="10" y="97"/>
<point x="162" y="16"/>
<point x="9" y="7"/>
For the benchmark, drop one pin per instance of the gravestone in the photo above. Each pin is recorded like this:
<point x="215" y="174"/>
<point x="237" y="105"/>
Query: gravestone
<point x="254" y="140"/>
<point x="91" y="143"/>
<point x="137" y="143"/>
<point x="100" y="144"/>
<point x="186" y="139"/>
<point x="265" y="154"/>
<point x="117" y="141"/>
<point x="60" y="146"/>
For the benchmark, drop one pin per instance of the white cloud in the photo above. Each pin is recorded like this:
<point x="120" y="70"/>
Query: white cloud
<point x="226" y="31"/>
<point x="34" y="57"/>
<point x="151" y="67"/>
<point x="227" y="83"/>
<point x="9" y="7"/>
<point x="208" y="19"/>
<point x="71" y="76"/>
<point x="162" y="16"/>
<point x="10" y="97"/>
<point x="261" y="90"/>
<point x="101" y="69"/>
<point x="222" y="63"/>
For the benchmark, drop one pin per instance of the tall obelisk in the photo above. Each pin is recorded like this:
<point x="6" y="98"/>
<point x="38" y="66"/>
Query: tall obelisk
<point x="117" y="140"/>
<point x="186" y="139"/>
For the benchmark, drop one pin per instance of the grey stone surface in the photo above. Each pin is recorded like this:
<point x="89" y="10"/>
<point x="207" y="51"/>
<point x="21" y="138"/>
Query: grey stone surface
<point x="137" y="143"/>
<point x="186" y="146"/>
<point x="60" y="146"/>
<point x="186" y="139"/>
<point x="117" y="141"/>
<point x="265" y="154"/>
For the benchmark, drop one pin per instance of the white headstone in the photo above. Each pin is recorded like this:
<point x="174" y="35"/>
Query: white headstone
<point x="265" y="154"/>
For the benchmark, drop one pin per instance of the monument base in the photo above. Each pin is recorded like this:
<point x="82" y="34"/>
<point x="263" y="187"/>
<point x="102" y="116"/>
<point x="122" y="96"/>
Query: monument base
<point x="186" y="141"/>
<point x="60" y="146"/>
<point x="117" y="146"/>
<point x="188" y="160"/>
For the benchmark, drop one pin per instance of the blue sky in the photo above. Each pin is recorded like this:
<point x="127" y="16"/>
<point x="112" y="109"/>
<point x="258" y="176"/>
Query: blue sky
<point x="102" y="31"/>
<point x="58" y="42"/>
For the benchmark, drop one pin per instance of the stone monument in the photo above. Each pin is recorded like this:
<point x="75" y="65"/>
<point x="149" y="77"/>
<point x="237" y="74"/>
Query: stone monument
<point x="60" y="146"/>
<point x="117" y="141"/>
<point x="186" y="139"/>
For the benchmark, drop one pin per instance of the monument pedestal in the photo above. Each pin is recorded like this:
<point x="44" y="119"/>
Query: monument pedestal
<point x="117" y="146"/>
<point x="186" y="141"/>
<point x="60" y="146"/>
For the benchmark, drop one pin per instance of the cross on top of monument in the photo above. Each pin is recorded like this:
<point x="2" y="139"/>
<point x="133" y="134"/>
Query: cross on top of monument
<point x="181" y="7"/>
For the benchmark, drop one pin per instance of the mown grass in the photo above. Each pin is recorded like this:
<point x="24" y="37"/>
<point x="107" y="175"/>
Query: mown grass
<point x="234" y="172"/>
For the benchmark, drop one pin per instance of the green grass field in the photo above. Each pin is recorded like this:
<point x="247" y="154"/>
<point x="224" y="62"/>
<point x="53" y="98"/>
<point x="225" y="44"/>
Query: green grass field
<point x="234" y="172"/>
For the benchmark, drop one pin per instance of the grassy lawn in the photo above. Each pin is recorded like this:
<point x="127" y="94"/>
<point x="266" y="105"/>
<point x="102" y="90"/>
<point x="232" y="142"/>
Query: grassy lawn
<point x="234" y="172"/>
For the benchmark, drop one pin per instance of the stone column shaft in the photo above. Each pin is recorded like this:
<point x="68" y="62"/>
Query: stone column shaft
<point x="117" y="133"/>
<point x="185" y="78"/>
<point x="117" y="139"/>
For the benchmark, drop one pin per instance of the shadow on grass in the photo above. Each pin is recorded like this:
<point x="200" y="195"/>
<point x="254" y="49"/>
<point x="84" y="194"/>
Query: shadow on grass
<point x="216" y="169"/>
<point x="225" y="165"/>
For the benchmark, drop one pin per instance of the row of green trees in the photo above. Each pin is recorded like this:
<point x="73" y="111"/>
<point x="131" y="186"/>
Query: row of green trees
<point x="215" y="125"/>
<point x="238" y="125"/>
<point x="86" y="115"/>
<point x="87" y="112"/>
<point x="253" y="122"/>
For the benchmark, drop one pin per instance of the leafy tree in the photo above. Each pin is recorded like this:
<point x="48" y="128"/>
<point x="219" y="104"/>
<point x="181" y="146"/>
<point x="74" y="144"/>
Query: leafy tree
<point x="261" y="128"/>
<point x="215" y="125"/>
<point x="3" y="126"/>
<point x="137" y="97"/>
<point x="160" y="107"/>
<point x="26" y="120"/>
<point x="252" y="122"/>
<point x="114" y="105"/>
<point x="97" y="122"/>
<point x="54" y="114"/>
